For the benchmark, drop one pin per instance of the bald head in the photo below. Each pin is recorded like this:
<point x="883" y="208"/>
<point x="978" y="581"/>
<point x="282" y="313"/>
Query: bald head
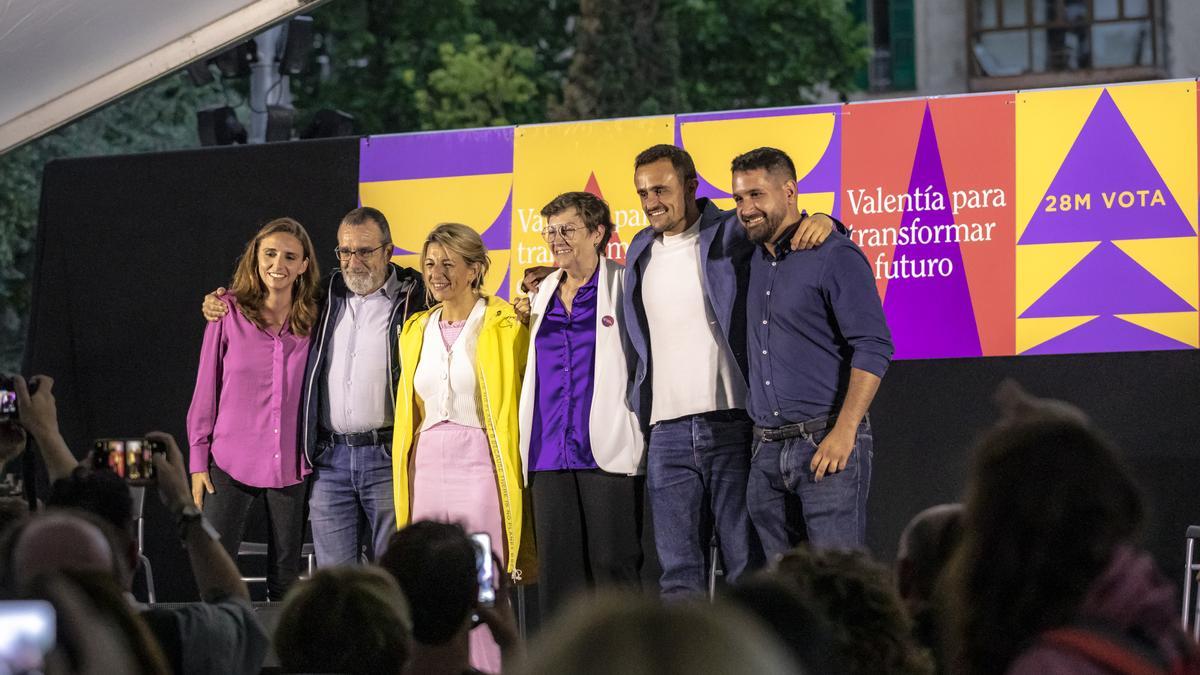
<point x="60" y="541"/>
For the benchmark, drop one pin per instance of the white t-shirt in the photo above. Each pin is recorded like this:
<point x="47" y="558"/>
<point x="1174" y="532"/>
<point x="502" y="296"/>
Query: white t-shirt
<point x="693" y="368"/>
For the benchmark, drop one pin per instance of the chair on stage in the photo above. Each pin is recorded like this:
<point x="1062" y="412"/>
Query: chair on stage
<point x="714" y="571"/>
<point x="1191" y="587"/>
<point x="138" y="493"/>
<point x="255" y="548"/>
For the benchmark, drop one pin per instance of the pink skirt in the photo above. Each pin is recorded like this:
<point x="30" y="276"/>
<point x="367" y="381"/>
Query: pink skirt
<point x="454" y="481"/>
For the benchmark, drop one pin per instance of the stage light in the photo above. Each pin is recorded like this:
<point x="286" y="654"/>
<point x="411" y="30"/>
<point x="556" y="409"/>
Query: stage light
<point x="235" y="61"/>
<point x="280" y="120"/>
<point x="297" y="45"/>
<point x="219" y="125"/>
<point x="199" y="73"/>
<point x="328" y="123"/>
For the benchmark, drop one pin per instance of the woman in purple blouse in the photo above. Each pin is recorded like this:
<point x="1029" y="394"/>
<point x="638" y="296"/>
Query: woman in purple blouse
<point x="581" y="445"/>
<point x="242" y="424"/>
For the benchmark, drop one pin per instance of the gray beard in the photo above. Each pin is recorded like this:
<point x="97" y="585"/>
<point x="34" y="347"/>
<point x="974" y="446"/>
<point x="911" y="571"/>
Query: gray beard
<point x="364" y="284"/>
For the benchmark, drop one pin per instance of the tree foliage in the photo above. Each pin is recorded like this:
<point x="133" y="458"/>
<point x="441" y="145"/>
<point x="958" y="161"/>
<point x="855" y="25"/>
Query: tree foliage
<point x="760" y="53"/>
<point x="626" y="61"/>
<point x="406" y="65"/>
<point x="159" y="117"/>
<point x="479" y="86"/>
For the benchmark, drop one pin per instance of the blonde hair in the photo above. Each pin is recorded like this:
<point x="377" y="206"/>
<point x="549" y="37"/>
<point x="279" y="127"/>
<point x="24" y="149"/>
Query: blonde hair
<point x="250" y="291"/>
<point x="463" y="242"/>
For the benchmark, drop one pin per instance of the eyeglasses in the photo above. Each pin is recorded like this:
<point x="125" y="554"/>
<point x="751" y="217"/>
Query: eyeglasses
<point x="344" y="254"/>
<point x="562" y="232"/>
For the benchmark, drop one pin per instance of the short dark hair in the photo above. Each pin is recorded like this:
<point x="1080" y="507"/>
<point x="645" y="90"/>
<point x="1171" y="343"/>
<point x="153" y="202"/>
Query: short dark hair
<point x="773" y="160"/>
<point x="365" y="214"/>
<point x="796" y="620"/>
<point x="680" y="159"/>
<point x="100" y="492"/>
<point x="593" y="210"/>
<point x="435" y="565"/>
<point x="344" y="619"/>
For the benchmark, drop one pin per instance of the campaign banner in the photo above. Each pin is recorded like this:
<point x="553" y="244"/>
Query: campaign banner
<point x="1107" y="216"/>
<point x="809" y="135"/>
<point x="1033" y="222"/>
<point x="928" y="195"/>
<point x="420" y="180"/>
<point x="595" y="157"/>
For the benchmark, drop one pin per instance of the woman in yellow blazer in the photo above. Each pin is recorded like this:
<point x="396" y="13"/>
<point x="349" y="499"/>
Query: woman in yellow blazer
<point x="455" y="449"/>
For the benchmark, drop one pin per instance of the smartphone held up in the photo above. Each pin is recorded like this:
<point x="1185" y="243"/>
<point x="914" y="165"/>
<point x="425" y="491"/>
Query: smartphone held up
<point x="484" y="568"/>
<point x="129" y="458"/>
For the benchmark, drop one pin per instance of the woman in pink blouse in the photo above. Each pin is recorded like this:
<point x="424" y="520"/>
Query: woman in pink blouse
<point x="242" y="424"/>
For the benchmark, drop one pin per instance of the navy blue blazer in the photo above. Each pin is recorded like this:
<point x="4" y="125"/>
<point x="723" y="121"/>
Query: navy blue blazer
<point x="725" y="252"/>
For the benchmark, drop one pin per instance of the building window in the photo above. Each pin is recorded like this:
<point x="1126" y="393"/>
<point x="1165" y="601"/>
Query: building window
<point x="893" y="44"/>
<point x="1062" y="41"/>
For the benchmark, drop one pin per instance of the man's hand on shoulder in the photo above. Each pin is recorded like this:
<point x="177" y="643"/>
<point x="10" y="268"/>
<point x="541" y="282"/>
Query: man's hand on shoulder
<point x="213" y="309"/>
<point x="813" y="231"/>
<point x="533" y="278"/>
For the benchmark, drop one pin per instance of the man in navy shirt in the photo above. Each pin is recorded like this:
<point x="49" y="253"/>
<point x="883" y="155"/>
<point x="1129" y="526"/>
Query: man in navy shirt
<point x="818" y="347"/>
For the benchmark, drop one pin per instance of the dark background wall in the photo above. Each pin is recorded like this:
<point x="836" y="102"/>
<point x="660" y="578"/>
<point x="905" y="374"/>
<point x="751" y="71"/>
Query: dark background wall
<point x="128" y="246"/>
<point x="126" y="249"/>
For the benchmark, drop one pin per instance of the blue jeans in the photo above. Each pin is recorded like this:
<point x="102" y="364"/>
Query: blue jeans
<point x="351" y="507"/>
<point x="785" y="502"/>
<point x="696" y="474"/>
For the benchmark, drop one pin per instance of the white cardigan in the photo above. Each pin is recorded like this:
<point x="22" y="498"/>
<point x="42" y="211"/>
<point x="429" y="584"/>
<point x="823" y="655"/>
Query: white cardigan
<point x="616" y="436"/>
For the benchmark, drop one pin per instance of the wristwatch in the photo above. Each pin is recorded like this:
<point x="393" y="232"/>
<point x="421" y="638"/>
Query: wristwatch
<point x="190" y="516"/>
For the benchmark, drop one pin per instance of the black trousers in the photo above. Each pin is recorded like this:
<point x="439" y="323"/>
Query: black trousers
<point x="227" y="507"/>
<point x="589" y="532"/>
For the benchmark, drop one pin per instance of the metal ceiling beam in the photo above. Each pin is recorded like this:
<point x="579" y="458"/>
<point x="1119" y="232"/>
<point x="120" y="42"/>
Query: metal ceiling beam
<point x="202" y="42"/>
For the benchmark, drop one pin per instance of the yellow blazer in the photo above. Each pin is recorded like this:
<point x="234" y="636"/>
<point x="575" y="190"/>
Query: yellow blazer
<point x="500" y="355"/>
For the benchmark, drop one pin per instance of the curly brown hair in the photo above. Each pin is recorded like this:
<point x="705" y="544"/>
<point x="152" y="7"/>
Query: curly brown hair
<point x="871" y="632"/>
<point x="250" y="291"/>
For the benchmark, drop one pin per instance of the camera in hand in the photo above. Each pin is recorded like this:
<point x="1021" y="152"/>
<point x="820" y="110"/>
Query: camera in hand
<point x="129" y="458"/>
<point x="484" y="568"/>
<point x="8" y="398"/>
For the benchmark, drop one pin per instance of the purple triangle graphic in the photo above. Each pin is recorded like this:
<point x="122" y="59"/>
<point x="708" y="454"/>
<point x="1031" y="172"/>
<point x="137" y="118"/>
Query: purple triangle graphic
<point x="1107" y="159"/>
<point x="502" y="292"/>
<point x="498" y="236"/>
<point x="1107" y="281"/>
<point x="932" y="316"/>
<point x="1107" y="334"/>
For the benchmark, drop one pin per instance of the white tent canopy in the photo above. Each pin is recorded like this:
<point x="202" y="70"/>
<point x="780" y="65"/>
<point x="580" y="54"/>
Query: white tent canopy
<point x="60" y="59"/>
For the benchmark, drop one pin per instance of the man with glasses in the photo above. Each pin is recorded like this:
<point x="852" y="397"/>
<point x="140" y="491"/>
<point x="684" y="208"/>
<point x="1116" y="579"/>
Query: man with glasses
<point x="349" y="397"/>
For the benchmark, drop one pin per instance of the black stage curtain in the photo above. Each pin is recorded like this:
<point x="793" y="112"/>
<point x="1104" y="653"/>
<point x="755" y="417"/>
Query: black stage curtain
<point x="126" y="249"/>
<point x="928" y="415"/>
